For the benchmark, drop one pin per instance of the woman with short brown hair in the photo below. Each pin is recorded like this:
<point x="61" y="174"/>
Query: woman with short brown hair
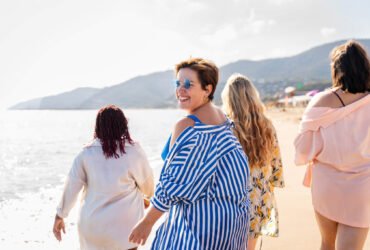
<point x="204" y="182"/>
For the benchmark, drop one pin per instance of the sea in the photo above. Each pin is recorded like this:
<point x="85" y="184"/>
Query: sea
<point x="36" y="152"/>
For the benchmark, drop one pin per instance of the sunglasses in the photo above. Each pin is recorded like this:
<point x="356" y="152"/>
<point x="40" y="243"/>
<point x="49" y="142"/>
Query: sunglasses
<point x="187" y="84"/>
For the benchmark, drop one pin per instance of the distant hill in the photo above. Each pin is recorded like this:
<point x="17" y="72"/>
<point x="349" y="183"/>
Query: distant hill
<point x="157" y="91"/>
<point x="150" y="91"/>
<point x="67" y="100"/>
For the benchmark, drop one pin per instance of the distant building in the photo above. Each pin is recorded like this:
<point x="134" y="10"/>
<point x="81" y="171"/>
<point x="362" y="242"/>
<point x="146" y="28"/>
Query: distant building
<point x="294" y="101"/>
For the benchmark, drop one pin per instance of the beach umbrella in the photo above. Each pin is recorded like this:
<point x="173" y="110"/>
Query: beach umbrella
<point x="289" y="90"/>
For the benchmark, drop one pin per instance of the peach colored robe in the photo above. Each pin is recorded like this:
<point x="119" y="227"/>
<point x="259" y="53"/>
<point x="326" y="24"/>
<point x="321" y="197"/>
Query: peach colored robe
<point x="335" y="142"/>
<point x="113" y="195"/>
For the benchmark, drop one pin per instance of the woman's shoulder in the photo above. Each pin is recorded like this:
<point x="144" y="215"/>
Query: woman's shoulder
<point x="134" y="146"/>
<point x="181" y="125"/>
<point x="92" y="146"/>
<point x="324" y="99"/>
<point x="184" y="122"/>
<point x="135" y="149"/>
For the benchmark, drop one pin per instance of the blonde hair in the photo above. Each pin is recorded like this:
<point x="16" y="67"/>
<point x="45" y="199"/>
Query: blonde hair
<point x="254" y="130"/>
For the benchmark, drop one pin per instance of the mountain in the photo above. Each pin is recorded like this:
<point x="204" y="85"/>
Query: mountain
<point x="150" y="91"/>
<point x="156" y="90"/>
<point x="271" y="76"/>
<point x="67" y="100"/>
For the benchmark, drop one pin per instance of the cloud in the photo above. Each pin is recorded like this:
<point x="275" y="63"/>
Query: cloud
<point x="253" y="25"/>
<point x="221" y="37"/>
<point x="326" y="32"/>
<point x="281" y="2"/>
<point x="234" y="31"/>
<point x="258" y="26"/>
<point x="99" y="44"/>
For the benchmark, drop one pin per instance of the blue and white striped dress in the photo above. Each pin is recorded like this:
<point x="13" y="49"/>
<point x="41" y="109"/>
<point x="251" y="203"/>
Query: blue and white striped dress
<point x="204" y="186"/>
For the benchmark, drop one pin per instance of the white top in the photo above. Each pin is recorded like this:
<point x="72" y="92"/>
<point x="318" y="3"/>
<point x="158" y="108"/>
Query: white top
<point x="112" y="202"/>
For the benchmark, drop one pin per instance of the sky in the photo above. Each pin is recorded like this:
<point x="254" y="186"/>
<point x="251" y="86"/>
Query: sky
<point x="52" y="46"/>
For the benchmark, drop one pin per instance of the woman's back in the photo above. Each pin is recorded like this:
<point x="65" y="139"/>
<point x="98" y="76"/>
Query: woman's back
<point x="112" y="203"/>
<point x="330" y="129"/>
<point x="337" y="142"/>
<point x="115" y="175"/>
<point x="210" y="115"/>
<point x="335" y="98"/>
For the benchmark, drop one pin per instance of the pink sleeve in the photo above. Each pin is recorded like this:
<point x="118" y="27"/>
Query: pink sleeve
<point x="307" y="146"/>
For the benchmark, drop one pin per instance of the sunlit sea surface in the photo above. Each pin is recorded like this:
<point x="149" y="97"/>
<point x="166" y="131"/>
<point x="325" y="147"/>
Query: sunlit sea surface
<point x="36" y="152"/>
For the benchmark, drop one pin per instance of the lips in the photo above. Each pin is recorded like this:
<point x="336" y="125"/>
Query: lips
<point x="183" y="99"/>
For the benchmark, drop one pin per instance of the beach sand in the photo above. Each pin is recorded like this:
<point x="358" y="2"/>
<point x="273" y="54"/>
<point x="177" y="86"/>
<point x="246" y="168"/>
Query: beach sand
<point x="298" y="229"/>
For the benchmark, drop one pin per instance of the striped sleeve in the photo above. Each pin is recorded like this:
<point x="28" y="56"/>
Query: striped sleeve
<point x="184" y="176"/>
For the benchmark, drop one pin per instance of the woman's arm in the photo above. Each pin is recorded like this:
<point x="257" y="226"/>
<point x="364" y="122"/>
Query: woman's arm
<point x="76" y="180"/>
<point x="180" y="126"/>
<point x="141" y="231"/>
<point x="307" y="146"/>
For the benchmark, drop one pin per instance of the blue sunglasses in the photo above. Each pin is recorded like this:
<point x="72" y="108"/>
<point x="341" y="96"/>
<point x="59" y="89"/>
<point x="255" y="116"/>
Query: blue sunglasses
<point x="186" y="84"/>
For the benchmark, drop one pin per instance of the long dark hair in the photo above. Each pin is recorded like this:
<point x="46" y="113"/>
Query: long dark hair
<point x="112" y="131"/>
<point x="350" y="67"/>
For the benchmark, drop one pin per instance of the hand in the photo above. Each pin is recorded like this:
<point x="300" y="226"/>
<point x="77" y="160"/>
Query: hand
<point x="140" y="232"/>
<point x="58" y="227"/>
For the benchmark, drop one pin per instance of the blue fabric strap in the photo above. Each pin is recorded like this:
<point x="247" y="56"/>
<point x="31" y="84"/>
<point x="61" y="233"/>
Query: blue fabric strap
<point x="166" y="149"/>
<point x="194" y="118"/>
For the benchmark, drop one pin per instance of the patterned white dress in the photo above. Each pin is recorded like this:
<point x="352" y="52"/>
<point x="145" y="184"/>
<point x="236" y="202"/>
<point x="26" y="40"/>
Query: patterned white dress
<point x="264" y="216"/>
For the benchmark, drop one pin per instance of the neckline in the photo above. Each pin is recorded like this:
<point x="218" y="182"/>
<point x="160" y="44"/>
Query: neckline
<point x="317" y="117"/>
<point x="197" y="121"/>
<point x="348" y="105"/>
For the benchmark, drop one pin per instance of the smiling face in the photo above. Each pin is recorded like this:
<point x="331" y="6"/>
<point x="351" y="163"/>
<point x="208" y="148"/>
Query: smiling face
<point x="193" y="97"/>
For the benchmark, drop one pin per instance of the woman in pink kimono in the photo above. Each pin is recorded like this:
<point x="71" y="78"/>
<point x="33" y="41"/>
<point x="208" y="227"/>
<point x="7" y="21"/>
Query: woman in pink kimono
<point x="114" y="172"/>
<point x="334" y="140"/>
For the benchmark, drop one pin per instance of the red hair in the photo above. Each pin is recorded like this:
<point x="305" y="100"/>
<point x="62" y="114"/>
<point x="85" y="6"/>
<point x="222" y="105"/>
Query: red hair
<point x="112" y="131"/>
